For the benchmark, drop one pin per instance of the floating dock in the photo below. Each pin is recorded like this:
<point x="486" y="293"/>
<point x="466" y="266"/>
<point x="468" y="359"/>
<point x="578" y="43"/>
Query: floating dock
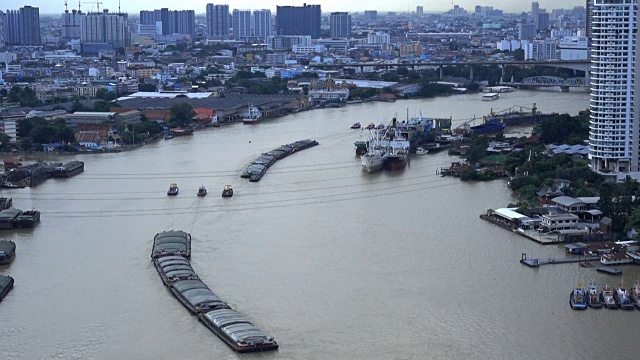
<point x="609" y="270"/>
<point x="534" y="263"/>
<point x="170" y="254"/>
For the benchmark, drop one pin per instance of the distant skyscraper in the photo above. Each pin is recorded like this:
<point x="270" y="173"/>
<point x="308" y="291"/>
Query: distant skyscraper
<point x="173" y="22"/>
<point x="526" y="31"/>
<point x="535" y="8"/>
<point x="542" y="21"/>
<point x="614" y="134"/>
<point x="111" y="30"/>
<point x="298" y="20"/>
<point x="371" y="14"/>
<point x="22" y="27"/>
<point x="478" y="9"/>
<point x="218" y="20"/>
<point x="71" y="22"/>
<point x="2" y="21"/>
<point x="419" y="10"/>
<point x="340" y="24"/>
<point x="262" y="24"/>
<point x="241" y="22"/>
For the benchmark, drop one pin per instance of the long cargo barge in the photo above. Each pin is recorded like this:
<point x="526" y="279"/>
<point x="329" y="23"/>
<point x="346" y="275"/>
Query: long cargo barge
<point x="69" y="169"/>
<point x="258" y="168"/>
<point x="16" y="218"/>
<point x="170" y="254"/>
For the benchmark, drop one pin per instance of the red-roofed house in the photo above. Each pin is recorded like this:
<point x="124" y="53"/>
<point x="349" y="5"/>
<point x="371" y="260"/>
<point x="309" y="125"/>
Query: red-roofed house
<point x="205" y="116"/>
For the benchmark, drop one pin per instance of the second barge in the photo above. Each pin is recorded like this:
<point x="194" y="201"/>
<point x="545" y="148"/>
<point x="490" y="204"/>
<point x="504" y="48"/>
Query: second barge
<point x="6" y="284"/>
<point x="69" y="169"/>
<point x="7" y="252"/>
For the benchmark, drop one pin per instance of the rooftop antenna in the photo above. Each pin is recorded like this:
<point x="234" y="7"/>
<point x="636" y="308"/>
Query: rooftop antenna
<point x="78" y="5"/>
<point x="119" y="7"/>
<point x="65" y="6"/>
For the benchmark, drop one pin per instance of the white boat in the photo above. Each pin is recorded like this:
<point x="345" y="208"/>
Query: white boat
<point x="490" y="97"/>
<point x="253" y="116"/>
<point x="421" y="151"/>
<point x="373" y="160"/>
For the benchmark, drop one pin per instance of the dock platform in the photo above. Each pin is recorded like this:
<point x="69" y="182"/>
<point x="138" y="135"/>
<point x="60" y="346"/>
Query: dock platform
<point x="534" y="263"/>
<point x="609" y="270"/>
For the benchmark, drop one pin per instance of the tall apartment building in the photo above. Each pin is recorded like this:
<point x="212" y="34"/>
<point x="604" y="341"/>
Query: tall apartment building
<point x="298" y="20"/>
<point x="105" y="30"/>
<point x="2" y="21"/>
<point x="419" y="10"/>
<point x="526" y="31"/>
<point x="541" y="50"/>
<point x="22" y="27"/>
<point x="542" y="21"/>
<point x="614" y="131"/>
<point x="173" y="21"/>
<point x="71" y="23"/>
<point x="340" y="24"/>
<point x="218" y="21"/>
<point x="262" y="24"/>
<point x="241" y="21"/>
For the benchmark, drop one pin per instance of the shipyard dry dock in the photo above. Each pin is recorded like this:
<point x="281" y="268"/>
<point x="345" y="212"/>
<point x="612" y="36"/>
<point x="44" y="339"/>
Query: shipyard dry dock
<point x="171" y="253"/>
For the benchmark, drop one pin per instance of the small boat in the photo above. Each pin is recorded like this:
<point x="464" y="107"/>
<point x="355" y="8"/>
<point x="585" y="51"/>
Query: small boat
<point x="622" y="297"/>
<point x="182" y="131"/>
<point x="6" y="284"/>
<point x="169" y="136"/>
<point x="490" y="96"/>
<point x="202" y="191"/>
<point x="173" y="190"/>
<point x="577" y="299"/>
<point x="371" y="126"/>
<point x="253" y="116"/>
<point x="421" y="151"/>
<point x="227" y="191"/>
<point x="7" y="251"/>
<point x="380" y="126"/>
<point x="606" y="297"/>
<point x="593" y="299"/>
<point x="356" y="126"/>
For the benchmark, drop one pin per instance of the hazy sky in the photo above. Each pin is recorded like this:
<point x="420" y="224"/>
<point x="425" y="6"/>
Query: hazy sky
<point x="134" y="6"/>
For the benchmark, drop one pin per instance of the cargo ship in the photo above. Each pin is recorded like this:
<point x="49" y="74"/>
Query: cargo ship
<point x="69" y="169"/>
<point x="512" y="117"/>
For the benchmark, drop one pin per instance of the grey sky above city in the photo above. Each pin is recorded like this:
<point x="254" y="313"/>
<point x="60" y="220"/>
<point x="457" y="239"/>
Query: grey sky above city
<point x="133" y="6"/>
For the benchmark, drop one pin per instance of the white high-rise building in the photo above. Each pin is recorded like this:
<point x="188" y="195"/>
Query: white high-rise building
<point x="241" y="24"/>
<point x="218" y="21"/>
<point x="614" y="131"/>
<point x="378" y="38"/>
<point x="262" y="24"/>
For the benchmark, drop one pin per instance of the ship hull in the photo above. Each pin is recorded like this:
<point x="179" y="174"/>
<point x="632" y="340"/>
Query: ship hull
<point x="371" y="164"/>
<point x="250" y="121"/>
<point x="396" y="163"/>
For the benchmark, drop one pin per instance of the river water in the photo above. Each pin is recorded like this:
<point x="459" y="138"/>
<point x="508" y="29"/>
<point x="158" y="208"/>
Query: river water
<point x="332" y="262"/>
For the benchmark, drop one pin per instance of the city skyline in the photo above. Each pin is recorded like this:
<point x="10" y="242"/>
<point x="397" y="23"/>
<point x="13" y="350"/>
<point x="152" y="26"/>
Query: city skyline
<point x="134" y="6"/>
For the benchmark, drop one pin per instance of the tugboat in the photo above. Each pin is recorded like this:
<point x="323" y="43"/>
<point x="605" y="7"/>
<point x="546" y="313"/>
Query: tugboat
<point x="606" y="297"/>
<point x="173" y="190"/>
<point x="623" y="298"/>
<point x="227" y="191"/>
<point x="202" y="191"/>
<point x="356" y="126"/>
<point x="592" y="297"/>
<point x="577" y="299"/>
<point x="253" y="116"/>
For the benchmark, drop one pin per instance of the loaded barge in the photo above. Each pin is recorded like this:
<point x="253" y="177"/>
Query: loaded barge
<point x="68" y="170"/>
<point x="7" y="252"/>
<point x="6" y="284"/>
<point x="170" y="254"/>
<point x="256" y="170"/>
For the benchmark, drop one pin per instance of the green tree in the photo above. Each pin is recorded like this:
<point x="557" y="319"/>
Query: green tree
<point x="5" y="142"/>
<point x="25" y="144"/>
<point x="181" y="114"/>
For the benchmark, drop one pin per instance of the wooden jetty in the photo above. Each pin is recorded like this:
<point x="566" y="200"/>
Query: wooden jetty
<point x="534" y="263"/>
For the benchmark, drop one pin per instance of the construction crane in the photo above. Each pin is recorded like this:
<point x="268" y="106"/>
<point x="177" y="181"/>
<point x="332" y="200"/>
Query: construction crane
<point x="534" y="109"/>
<point x="97" y="3"/>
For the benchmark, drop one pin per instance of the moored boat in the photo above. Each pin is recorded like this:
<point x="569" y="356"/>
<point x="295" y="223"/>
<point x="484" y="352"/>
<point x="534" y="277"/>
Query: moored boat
<point x="606" y="297"/>
<point x="8" y="218"/>
<point x="593" y="298"/>
<point x="373" y="160"/>
<point x="421" y="151"/>
<point x="237" y="332"/>
<point x="577" y="299"/>
<point x="182" y="131"/>
<point x="7" y="252"/>
<point x="68" y="169"/>
<point x="371" y="126"/>
<point x="488" y="127"/>
<point x="356" y="126"/>
<point x="361" y="147"/>
<point x="623" y="298"/>
<point x="253" y="116"/>
<point x="173" y="190"/>
<point x="227" y="191"/>
<point x="202" y="191"/>
<point x="27" y="219"/>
